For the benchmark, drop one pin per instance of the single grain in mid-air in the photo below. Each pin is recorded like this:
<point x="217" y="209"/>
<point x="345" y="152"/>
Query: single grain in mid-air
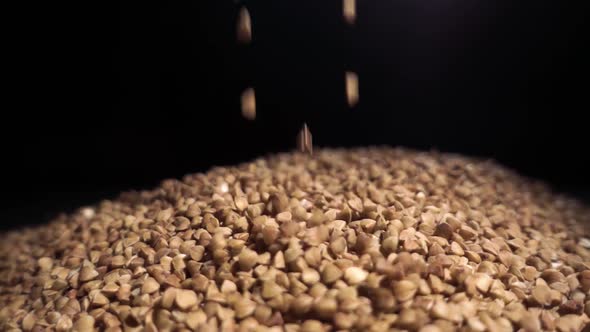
<point x="352" y="88"/>
<point x="349" y="11"/>
<point x="244" y="26"/>
<point x="249" y="104"/>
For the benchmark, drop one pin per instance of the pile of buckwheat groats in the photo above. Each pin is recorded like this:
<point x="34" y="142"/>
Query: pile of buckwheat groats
<point x="370" y="239"/>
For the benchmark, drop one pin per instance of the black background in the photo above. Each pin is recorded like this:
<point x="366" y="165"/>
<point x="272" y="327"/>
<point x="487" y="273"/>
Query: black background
<point x="121" y="96"/>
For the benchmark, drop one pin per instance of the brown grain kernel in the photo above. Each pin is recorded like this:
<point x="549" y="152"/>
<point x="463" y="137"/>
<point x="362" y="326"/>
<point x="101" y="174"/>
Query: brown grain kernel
<point x="331" y="273"/>
<point x="411" y="319"/>
<point x="310" y="276"/>
<point x="302" y="304"/>
<point x="443" y="230"/>
<point x="456" y="249"/>
<point x="390" y="244"/>
<point x="356" y="204"/>
<point x="263" y="314"/>
<point x="325" y="307"/>
<point x="185" y="299"/>
<point x="473" y="256"/>
<point x="541" y="295"/>
<point x="110" y="288"/>
<point x="355" y="275"/>
<point x="168" y="298"/>
<point x="349" y="11"/>
<point x="571" y="307"/>
<point x="441" y="310"/>
<point x="343" y="320"/>
<point x="244" y="308"/>
<point x="45" y="264"/>
<point x="352" y="84"/>
<point x="270" y="234"/>
<point x="547" y="320"/>
<point x="249" y="104"/>
<point x="529" y="322"/>
<point x="244" y="28"/>
<point x="384" y="299"/>
<point x="431" y="328"/>
<point x="228" y="286"/>
<point x="118" y="261"/>
<point x="87" y="274"/>
<point x="97" y="298"/>
<point x="467" y="232"/>
<point x="404" y="290"/>
<point x="318" y="290"/>
<point x="270" y="289"/>
<point x="569" y="323"/>
<point x="338" y="246"/>
<point x="436" y="284"/>
<point x="312" y="326"/>
<point x="124" y="292"/>
<point x="84" y="323"/>
<point x="194" y="319"/>
<point x="29" y="321"/>
<point x="482" y="282"/>
<point x="475" y="324"/>
<point x="284" y="216"/>
<point x="490" y="247"/>
<point x="247" y="259"/>
<point x="149" y="286"/>
<point x="110" y="320"/>
<point x="279" y="203"/>
<point x="313" y="257"/>
<point x="551" y="276"/>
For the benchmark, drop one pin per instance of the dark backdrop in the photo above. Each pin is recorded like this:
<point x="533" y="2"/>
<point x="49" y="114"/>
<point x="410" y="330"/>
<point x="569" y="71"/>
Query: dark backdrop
<point x="123" y="96"/>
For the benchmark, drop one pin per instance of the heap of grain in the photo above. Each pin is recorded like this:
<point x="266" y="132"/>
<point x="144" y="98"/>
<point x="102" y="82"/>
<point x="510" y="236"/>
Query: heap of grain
<point x="368" y="239"/>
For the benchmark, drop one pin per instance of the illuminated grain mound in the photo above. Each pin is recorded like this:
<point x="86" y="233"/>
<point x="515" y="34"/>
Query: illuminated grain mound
<point x="367" y="239"/>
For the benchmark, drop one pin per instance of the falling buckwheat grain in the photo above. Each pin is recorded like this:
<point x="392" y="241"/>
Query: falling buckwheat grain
<point x="304" y="140"/>
<point x="349" y="11"/>
<point x="244" y="26"/>
<point x="352" y="88"/>
<point x="248" y="101"/>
